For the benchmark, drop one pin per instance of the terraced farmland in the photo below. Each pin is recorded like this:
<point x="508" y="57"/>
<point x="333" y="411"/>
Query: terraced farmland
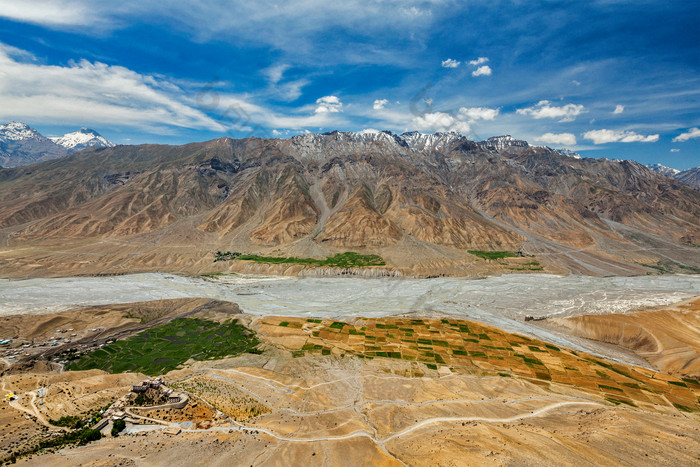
<point x="468" y="347"/>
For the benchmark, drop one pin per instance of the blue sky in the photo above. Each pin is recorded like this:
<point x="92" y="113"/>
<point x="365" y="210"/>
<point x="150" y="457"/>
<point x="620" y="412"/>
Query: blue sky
<point x="605" y="78"/>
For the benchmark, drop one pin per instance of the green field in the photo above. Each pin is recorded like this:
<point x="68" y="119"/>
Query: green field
<point x="341" y="260"/>
<point x="163" y="348"/>
<point x="492" y="254"/>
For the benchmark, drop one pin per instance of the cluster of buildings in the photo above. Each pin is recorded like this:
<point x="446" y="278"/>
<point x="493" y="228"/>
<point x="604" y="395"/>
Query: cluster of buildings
<point x="120" y="409"/>
<point x="176" y="400"/>
<point x="15" y="348"/>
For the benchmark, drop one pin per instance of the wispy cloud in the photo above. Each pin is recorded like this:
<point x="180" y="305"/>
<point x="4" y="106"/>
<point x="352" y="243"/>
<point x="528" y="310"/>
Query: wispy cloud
<point x="115" y="96"/>
<point x="614" y="136"/>
<point x="286" y="91"/>
<point x="55" y="13"/>
<point x="260" y="117"/>
<point x="567" y="139"/>
<point x="275" y="72"/>
<point x="290" y="91"/>
<point x="544" y="109"/>
<point x="95" y="92"/>
<point x="293" y="26"/>
<point x="690" y="134"/>
<point x="619" y="109"/>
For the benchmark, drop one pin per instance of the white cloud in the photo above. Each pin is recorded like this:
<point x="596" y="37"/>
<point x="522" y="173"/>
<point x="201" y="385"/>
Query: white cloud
<point x="275" y="72"/>
<point x="690" y="134"/>
<point x="15" y="54"/>
<point x="441" y="121"/>
<point x="675" y="150"/>
<point x="292" y="90"/>
<point x="291" y="26"/>
<point x="473" y="114"/>
<point x="328" y="104"/>
<point x="479" y="61"/>
<point x="92" y="92"/>
<point x="543" y="109"/>
<point x="289" y="91"/>
<point x="482" y="71"/>
<point x="450" y="63"/>
<point x="102" y="95"/>
<point x="460" y="122"/>
<point x="379" y="104"/>
<point x="297" y="119"/>
<point x="614" y="136"/>
<point x="567" y="139"/>
<point x="575" y="83"/>
<point x="48" y="12"/>
<point x="619" y="109"/>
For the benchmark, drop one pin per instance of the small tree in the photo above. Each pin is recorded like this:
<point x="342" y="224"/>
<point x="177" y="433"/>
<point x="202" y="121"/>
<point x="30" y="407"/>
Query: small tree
<point x="117" y="427"/>
<point x="88" y="436"/>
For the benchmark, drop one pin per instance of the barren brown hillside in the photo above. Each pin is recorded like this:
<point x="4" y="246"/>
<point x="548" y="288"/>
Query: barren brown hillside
<point x="669" y="338"/>
<point x="420" y="201"/>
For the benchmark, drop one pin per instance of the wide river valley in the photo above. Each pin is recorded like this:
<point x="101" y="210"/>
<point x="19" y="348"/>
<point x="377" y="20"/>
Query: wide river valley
<point x="502" y="301"/>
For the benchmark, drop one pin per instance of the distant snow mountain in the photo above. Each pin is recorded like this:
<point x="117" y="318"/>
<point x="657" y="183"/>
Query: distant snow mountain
<point x="689" y="176"/>
<point x="16" y="131"/>
<point x="82" y="139"/>
<point x="662" y="169"/>
<point x="21" y="144"/>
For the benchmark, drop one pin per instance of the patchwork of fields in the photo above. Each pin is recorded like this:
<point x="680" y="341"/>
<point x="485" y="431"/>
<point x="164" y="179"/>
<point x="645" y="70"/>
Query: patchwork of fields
<point x="468" y="347"/>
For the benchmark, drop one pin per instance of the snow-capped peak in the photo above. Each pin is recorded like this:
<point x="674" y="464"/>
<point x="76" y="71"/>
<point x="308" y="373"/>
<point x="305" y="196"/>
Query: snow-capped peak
<point x="81" y="139"/>
<point x="499" y="143"/>
<point x="17" y="131"/>
<point x="663" y="170"/>
<point x="423" y="141"/>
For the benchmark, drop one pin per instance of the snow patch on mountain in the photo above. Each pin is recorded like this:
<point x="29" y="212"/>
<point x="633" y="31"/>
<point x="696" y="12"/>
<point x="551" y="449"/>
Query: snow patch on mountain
<point x="428" y="142"/>
<point x="499" y="143"/>
<point x="663" y="170"/>
<point x="81" y="139"/>
<point x="567" y="153"/>
<point x="17" y="131"/>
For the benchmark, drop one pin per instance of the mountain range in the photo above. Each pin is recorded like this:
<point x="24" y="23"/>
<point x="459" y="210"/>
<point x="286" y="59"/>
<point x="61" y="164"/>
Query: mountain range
<point x="22" y="145"/>
<point x="421" y="201"/>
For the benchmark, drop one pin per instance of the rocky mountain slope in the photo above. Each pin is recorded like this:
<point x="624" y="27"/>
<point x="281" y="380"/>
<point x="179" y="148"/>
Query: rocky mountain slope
<point x="23" y="145"/>
<point x="420" y="201"/>
<point x="689" y="177"/>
